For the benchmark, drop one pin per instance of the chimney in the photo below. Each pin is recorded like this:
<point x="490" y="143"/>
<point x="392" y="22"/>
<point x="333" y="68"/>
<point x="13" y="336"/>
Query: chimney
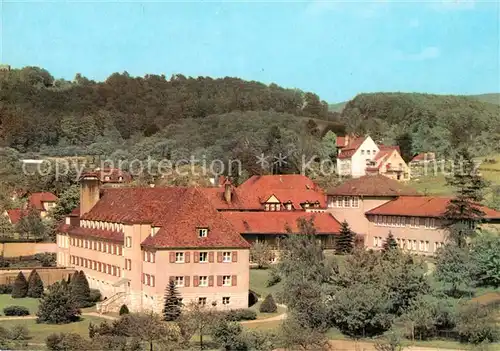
<point x="89" y="191"/>
<point x="346" y="140"/>
<point x="227" y="191"/>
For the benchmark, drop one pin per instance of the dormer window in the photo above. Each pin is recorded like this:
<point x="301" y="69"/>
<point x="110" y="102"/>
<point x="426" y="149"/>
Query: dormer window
<point x="106" y="178"/>
<point x="266" y="206"/>
<point x="288" y="206"/>
<point x="202" y="232"/>
<point x="120" y="179"/>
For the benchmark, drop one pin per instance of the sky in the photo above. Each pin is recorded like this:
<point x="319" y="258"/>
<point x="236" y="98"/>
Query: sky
<point x="334" y="49"/>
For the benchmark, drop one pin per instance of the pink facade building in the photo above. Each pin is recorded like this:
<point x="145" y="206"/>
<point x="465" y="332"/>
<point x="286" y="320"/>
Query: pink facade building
<point x="131" y="242"/>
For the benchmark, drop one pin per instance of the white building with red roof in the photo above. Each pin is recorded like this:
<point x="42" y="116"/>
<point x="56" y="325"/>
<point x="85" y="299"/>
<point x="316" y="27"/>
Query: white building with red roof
<point x="359" y="156"/>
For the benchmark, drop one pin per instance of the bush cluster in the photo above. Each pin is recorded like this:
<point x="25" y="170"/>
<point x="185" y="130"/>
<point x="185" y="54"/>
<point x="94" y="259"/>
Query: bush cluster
<point x="16" y="311"/>
<point x="241" y="314"/>
<point x="5" y="289"/>
<point x="268" y="305"/>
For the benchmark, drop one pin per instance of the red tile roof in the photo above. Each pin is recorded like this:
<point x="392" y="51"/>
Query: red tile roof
<point x="112" y="175"/>
<point x="239" y="201"/>
<point x="94" y="233"/>
<point x="179" y="228"/>
<point x="351" y="149"/>
<point x="177" y="211"/>
<point x="36" y="200"/>
<point x="423" y="157"/>
<point x="15" y="215"/>
<point x="277" y="222"/>
<point x="287" y="187"/>
<point x="372" y="185"/>
<point x="389" y="147"/>
<point x="422" y="206"/>
<point x="341" y="141"/>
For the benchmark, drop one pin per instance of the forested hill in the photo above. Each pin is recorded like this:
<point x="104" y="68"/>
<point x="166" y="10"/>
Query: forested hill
<point x="438" y="123"/>
<point x="37" y="111"/>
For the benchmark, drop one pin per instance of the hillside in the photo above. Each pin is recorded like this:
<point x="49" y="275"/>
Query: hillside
<point x="439" y="123"/>
<point x="38" y="111"/>
<point x="493" y="98"/>
<point x="337" y="107"/>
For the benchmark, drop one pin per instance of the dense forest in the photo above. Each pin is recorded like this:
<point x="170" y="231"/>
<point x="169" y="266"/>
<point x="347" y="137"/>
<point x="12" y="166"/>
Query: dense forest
<point x="439" y="123"/>
<point x="133" y="116"/>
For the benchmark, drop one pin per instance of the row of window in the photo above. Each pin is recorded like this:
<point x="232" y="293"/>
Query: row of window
<point x="198" y="281"/>
<point x="101" y="225"/>
<point x="368" y="152"/>
<point x="409" y="244"/>
<point x="96" y="266"/>
<point x="113" y="249"/>
<point x="343" y="201"/>
<point x="203" y="257"/>
<point x="62" y="241"/>
<point x="399" y="221"/>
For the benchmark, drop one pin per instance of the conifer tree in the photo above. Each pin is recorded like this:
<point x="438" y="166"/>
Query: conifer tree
<point x="57" y="306"/>
<point x="345" y="241"/>
<point x="35" y="285"/>
<point x="268" y="305"/>
<point x="80" y="290"/>
<point x="463" y="213"/>
<point x="172" y="307"/>
<point x="390" y="243"/>
<point x="20" y="287"/>
<point x="124" y="310"/>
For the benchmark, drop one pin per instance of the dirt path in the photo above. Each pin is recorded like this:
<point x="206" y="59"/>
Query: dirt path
<point x="350" y="345"/>
<point x="91" y="314"/>
<point x="265" y="320"/>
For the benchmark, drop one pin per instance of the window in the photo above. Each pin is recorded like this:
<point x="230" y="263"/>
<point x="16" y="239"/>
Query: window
<point x="226" y="257"/>
<point x="202" y="232"/>
<point x="202" y="301"/>
<point x="179" y="281"/>
<point x="203" y="281"/>
<point x="266" y="206"/>
<point x="427" y="222"/>
<point x="414" y="245"/>
<point x="403" y="243"/>
<point x="152" y="281"/>
<point x="128" y="241"/>
<point x="375" y="241"/>
<point x="426" y="248"/>
<point x="408" y="244"/>
<point x="225" y="300"/>
<point x="355" y="201"/>
<point x="179" y="257"/>
<point x="226" y="280"/>
<point x="347" y="201"/>
<point x="374" y="152"/>
<point x="339" y="201"/>
<point x="203" y="256"/>
<point x="432" y="223"/>
<point x="367" y="152"/>
<point x="421" y="245"/>
<point x="128" y="264"/>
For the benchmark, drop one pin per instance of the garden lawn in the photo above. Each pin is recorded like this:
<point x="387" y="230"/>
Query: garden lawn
<point x="38" y="332"/>
<point x="28" y="302"/>
<point x="258" y="283"/>
<point x="261" y="315"/>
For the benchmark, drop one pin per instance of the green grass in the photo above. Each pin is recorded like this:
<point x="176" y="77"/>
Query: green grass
<point x="258" y="283"/>
<point x="260" y="315"/>
<point x="38" y="332"/>
<point x="29" y="303"/>
<point x="436" y="184"/>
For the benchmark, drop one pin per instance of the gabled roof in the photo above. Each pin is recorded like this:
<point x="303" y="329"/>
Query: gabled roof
<point x="15" y="215"/>
<point x="277" y="222"/>
<point x="422" y="206"/>
<point x="36" y="200"/>
<point x="177" y="211"/>
<point x="287" y="187"/>
<point x="389" y="148"/>
<point x="351" y="148"/>
<point x="423" y="156"/>
<point x="341" y="141"/>
<point x="179" y="228"/>
<point x="372" y="185"/>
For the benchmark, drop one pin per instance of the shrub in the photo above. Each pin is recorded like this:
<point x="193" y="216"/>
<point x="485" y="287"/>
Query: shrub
<point x="80" y="290"/>
<point x="268" y="305"/>
<point x="20" y="287"/>
<point x="35" y="285"/>
<point x="124" y="310"/>
<point x="5" y="289"/>
<point x="16" y="311"/>
<point x="476" y="324"/>
<point x="57" y="306"/>
<point x="46" y="259"/>
<point x="19" y="332"/>
<point x="242" y="314"/>
<point x="95" y="295"/>
<point x="274" y="278"/>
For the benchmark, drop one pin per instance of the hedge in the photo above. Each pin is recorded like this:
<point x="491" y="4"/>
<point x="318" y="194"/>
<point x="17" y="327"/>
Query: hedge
<point x="16" y="311"/>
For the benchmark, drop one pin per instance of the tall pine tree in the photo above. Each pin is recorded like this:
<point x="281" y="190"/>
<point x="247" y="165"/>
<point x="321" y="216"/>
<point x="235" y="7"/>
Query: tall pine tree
<point x="80" y="290"/>
<point x="390" y="243"/>
<point x="463" y="213"/>
<point x="20" y="287"/>
<point x="345" y="241"/>
<point x="35" y="285"/>
<point x="172" y="307"/>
